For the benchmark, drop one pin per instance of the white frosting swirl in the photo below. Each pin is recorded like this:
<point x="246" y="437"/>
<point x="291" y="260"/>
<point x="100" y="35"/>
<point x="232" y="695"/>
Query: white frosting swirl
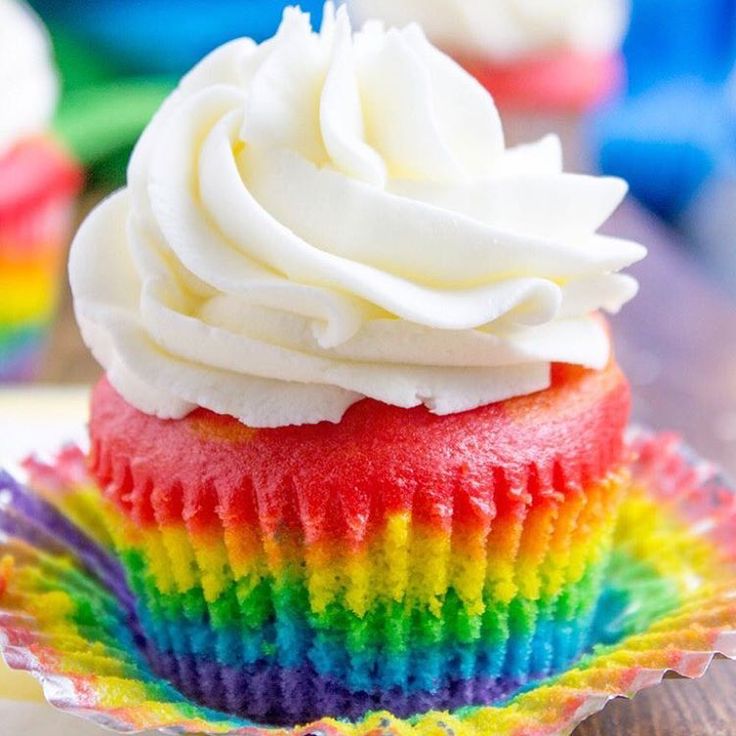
<point x="506" y="30"/>
<point x="326" y="217"/>
<point x="28" y="81"/>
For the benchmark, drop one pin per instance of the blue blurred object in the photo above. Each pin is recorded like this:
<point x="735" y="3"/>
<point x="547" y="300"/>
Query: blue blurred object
<point x="669" y="39"/>
<point x="675" y="129"/>
<point x="166" y="36"/>
<point x="667" y="143"/>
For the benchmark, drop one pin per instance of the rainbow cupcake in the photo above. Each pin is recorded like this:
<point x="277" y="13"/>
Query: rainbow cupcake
<point x="38" y="184"/>
<point x="359" y="445"/>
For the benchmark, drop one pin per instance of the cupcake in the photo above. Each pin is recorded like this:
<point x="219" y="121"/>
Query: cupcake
<point x="359" y="443"/>
<point x="544" y="63"/>
<point x="38" y="182"/>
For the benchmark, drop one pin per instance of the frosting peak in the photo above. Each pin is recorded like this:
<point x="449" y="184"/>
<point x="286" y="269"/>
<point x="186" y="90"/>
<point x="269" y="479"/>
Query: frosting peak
<point x="330" y="216"/>
<point x="28" y="82"/>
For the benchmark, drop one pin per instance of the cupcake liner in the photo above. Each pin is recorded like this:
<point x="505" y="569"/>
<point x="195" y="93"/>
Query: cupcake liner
<point x="669" y="603"/>
<point x="38" y="184"/>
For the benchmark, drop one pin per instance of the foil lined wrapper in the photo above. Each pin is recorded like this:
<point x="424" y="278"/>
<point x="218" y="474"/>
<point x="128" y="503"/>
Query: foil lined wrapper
<point x="68" y="616"/>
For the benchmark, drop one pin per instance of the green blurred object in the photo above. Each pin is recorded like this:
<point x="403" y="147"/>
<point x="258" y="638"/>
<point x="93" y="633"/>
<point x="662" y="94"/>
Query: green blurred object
<point x="102" y="113"/>
<point x="101" y="123"/>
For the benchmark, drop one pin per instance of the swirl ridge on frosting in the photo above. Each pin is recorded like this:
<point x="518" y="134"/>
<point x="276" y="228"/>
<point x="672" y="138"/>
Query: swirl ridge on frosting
<point x="331" y="216"/>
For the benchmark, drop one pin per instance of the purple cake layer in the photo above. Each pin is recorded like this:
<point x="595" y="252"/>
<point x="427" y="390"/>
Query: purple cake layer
<point x="306" y="696"/>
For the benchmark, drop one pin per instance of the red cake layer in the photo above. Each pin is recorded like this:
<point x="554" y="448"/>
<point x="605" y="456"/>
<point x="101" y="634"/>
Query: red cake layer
<point x="378" y="460"/>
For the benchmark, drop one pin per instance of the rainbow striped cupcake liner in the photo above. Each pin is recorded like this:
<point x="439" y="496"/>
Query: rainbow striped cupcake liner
<point x="68" y="615"/>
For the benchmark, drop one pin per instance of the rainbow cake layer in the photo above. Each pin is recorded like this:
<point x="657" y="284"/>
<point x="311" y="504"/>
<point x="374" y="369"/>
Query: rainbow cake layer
<point x="38" y="184"/>
<point x="396" y="560"/>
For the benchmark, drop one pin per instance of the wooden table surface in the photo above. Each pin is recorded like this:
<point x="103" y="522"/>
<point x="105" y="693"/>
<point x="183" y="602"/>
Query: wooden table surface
<point x="677" y="342"/>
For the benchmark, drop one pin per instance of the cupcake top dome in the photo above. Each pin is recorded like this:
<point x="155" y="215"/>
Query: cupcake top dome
<point x="331" y="216"/>
<point x="508" y="30"/>
<point x="28" y="80"/>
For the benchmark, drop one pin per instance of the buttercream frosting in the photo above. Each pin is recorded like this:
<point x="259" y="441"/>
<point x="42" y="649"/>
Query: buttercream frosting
<point x="505" y="30"/>
<point x="28" y="80"/>
<point x="326" y="217"/>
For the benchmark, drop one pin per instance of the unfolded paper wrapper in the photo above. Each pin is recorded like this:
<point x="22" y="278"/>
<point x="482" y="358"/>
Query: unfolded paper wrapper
<point x="66" y="612"/>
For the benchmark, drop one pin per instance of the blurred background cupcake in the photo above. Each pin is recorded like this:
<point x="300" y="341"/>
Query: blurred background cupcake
<point x="544" y="63"/>
<point x="94" y="73"/>
<point x="38" y="184"/>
